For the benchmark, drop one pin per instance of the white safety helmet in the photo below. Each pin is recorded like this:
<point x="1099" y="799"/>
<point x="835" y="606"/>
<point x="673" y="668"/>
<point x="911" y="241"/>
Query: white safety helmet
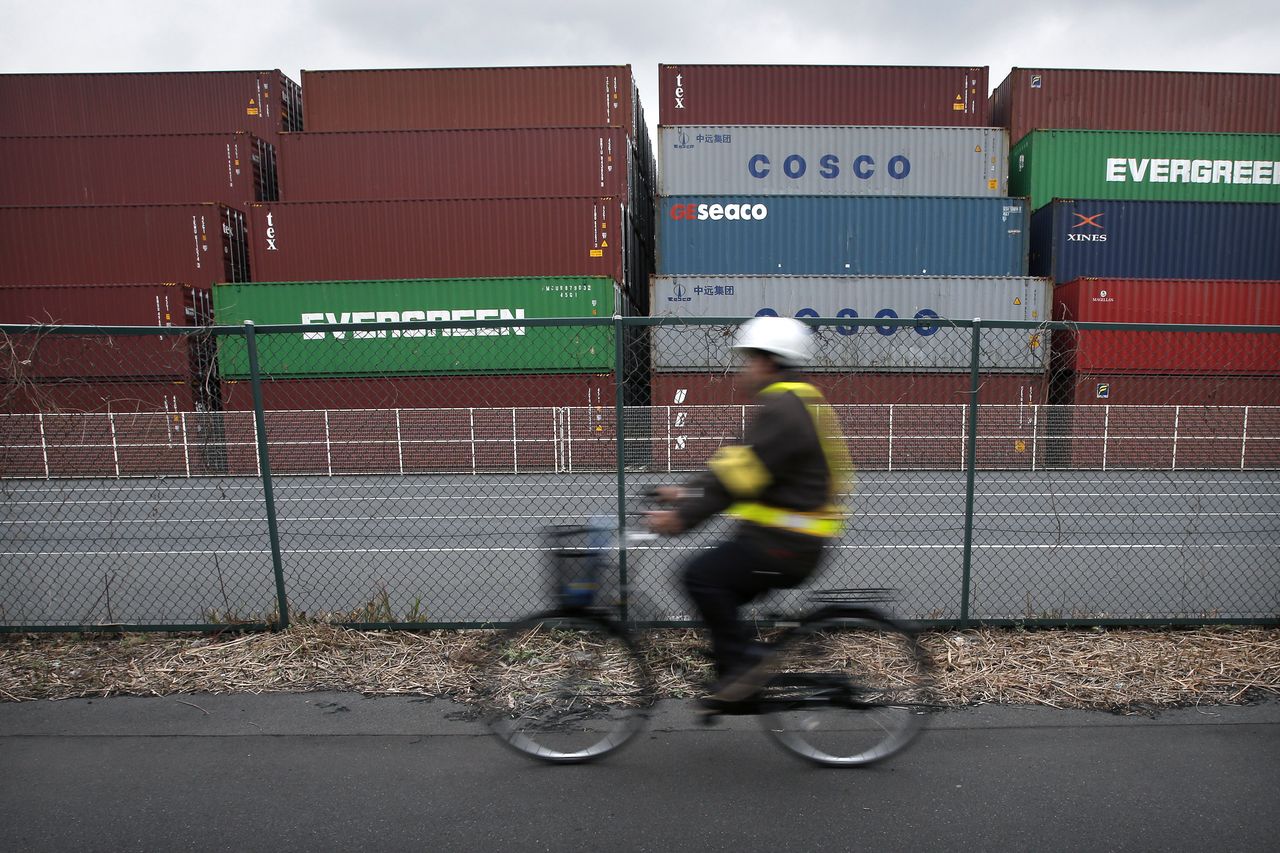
<point x="787" y="339"/>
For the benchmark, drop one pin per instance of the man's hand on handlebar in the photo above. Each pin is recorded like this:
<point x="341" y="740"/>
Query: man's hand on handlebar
<point x="666" y="522"/>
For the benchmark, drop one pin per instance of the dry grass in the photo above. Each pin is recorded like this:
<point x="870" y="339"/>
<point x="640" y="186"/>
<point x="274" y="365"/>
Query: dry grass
<point x="1117" y="670"/>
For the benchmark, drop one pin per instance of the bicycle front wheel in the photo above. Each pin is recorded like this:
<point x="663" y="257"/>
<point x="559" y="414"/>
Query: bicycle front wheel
<point x="849" y="691"/>
<point x="566" y="688"/>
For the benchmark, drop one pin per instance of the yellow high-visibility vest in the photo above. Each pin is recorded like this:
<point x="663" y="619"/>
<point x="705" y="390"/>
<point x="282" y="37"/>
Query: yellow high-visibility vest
<point x="744" y="475"/>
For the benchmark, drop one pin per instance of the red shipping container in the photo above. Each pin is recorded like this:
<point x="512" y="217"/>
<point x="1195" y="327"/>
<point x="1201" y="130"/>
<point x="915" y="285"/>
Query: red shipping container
<point x="454" y="164"/>
<point x="822" y="94"/>
<point x="1188" y="101"/>
<point x="1095" y="300"/>
<point x="50" y="356"/>
<point x="694" y="389"/>
<point x="260" y="102"/>
<point x="233" y="168"/>
<point x="73" y="428"/>
<point x="199" y="244"/>
<point x="1104" y="388"/>
<point x="435" y="392"/>
<point x="1163" y="422"/>
<point x="441" y="98"/>
<point x="332" y="241"/>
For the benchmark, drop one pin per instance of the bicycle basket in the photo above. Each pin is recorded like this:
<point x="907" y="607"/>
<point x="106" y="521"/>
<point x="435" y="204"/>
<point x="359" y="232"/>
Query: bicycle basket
<point x="576" y="564"/>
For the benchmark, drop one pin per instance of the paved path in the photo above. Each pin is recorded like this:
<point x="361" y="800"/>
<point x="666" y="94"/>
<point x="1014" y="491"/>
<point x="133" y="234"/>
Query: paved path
<point x="466" y="548"/>
<point x="341" y="772"/>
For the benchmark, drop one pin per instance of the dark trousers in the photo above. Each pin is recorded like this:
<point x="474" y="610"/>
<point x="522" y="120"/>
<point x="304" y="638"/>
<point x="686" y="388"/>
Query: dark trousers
<point x="735" y="573"/>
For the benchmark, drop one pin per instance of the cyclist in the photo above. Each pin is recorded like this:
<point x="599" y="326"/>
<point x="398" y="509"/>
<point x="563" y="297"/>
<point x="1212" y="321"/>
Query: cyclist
<point x="781" y="483"/>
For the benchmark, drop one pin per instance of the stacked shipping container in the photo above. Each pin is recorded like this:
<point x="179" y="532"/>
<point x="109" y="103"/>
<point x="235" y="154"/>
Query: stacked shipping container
<point x="1157" y="200"/>
<point x="479" y="179"/>
<point x="840" y="192"/>
<point x="117" y="180"/>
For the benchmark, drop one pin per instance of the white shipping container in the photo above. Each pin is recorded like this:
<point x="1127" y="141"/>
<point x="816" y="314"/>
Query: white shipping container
<point x="935" y="347"/>
<point x="832" y="160"/>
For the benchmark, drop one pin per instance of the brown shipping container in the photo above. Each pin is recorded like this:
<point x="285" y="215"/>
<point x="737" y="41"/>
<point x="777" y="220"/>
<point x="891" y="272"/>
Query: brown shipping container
<point x="48" y="356"/>
<point x="260" y="102"/>
<point x="1167" y="422"/>
<point x="673" y="389"/>
<point x="454" y="164"/>
<point x="199" y="244"/>
<point x="233" y="168"/>
<point x="333" y="241"/>
<point x="441" y="98"/>
<point x="822" y="94"/>
<point x="476" y="423"/>
<point x="72" y="428"/>
<point x="1190" y="101"/>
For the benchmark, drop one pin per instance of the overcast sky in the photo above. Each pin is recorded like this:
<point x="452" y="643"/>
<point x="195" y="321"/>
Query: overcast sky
<point x="171" y="35"/>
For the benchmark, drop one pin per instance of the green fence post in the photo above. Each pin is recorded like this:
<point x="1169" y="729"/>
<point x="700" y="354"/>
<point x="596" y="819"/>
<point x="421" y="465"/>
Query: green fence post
<point x="260" y="420"/>
<point x="971" y="462"/>
<point x="619" y="430"/>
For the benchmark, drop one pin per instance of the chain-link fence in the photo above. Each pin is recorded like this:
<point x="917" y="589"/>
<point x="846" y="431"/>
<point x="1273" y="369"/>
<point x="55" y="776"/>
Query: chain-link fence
<point x="401" y="473"/>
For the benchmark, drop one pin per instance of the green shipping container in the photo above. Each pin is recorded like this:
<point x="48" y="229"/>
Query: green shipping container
<point x="1145" y="166"/>
<point x="420" y="352"/>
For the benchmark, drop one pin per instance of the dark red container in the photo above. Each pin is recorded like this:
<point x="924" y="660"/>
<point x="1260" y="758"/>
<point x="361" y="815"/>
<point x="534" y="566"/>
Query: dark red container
<point x="476" y="423"/>
<point x="233" y="168"/>
<point x="890" y="419"/>
<point x="822" y="94"/>
<point x="1190" y="101"/>
<point x="436" y="392"/>
<point x="72" y="428"/>
<point x="49" y="356"/>
<point x="333" y="241"/>
<point x="670" y="389"/>
<point x="1120" y="421"/>
<point x="260" y="102"/>
<point x="199" y="244"/>
<point x="439" y="98"/>
<point x="1098" y="300"/>
<point x="453" y="164"/>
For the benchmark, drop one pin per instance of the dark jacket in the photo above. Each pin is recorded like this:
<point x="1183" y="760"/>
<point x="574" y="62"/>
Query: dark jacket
<point x="780" y="462"/>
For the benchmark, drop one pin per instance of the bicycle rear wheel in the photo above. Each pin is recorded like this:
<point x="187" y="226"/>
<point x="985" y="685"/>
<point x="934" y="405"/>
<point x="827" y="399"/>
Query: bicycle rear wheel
<point x="566" y="688"/>
<point x="849" y="690"/>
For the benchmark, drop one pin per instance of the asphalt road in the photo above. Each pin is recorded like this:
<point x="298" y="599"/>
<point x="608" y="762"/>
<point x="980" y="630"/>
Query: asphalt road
<point x="340" y="772"/>
<point x="462" y="548"/>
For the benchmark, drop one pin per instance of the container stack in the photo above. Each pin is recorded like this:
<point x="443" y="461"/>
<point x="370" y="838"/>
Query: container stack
<point x="1156" y="199"/>
<point x="451" y="194"/>
<point x="846" y="192"/>
<point x="124" y="197"/>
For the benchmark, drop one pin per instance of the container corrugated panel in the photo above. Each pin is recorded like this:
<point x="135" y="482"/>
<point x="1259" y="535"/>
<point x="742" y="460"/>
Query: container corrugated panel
<point x="699" y="389"/>
<point x="54" y="356"/>
<point x="263" y="103"/>
<point x="1164" y="301"/>
<point x="233" y="168"/>
<point x="822" y="94"/>
<point x="451" y="164"/>
<point x="944" y="161"/>
<point x="430" y="392"/>
<point x="199" y="244"/>
<point x="326" y="241"/>
<point x="1197" y="102"/>
<point x="824" y="235"/>
<point x="1076" y="238"/>
<point x="421" y="352"/>
<point x="1122" y="164"/>
<point x="844" y="348"/>
<point x="1102" y="388"/>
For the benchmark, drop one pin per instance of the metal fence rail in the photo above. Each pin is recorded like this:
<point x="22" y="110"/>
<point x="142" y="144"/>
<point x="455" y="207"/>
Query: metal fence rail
<point x="205" y="500"/>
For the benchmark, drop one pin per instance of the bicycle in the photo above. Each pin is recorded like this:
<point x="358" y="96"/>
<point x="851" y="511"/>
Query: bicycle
<point x="850" y="685"/>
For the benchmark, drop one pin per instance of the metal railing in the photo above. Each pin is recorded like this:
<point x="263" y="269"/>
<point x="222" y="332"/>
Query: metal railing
<point x="137" y="514"/>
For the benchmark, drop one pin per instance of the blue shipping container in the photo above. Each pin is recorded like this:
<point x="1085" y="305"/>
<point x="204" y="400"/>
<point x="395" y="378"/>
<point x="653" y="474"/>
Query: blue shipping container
<point x="842" y="235"/>
<point x="1074" y="238"/>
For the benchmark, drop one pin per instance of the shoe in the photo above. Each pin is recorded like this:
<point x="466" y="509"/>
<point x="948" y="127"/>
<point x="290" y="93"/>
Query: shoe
<point x="742" y="685"/>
